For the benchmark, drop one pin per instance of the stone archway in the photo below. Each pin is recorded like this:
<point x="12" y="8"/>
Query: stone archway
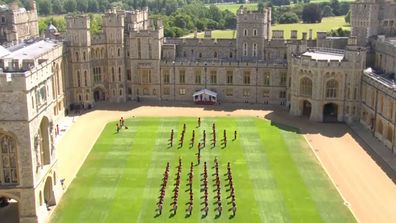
<point x="330" y="112"/>
<point x="99" y="94"/>
<point x="49" y="196"/>
<point x="44" y="142"/>
<point x="306" y="108"/>
<point x="9" y="208"/>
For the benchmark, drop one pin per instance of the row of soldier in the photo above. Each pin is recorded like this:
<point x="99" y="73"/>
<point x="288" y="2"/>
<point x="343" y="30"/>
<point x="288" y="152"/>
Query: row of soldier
<point x="232" y="191"/>
<point x="163" y="188"/>
<point x="218" y="196"/>
<point x="205" y="190"/>
<point x="177" y="187"/>
<point x="190" y="183"/>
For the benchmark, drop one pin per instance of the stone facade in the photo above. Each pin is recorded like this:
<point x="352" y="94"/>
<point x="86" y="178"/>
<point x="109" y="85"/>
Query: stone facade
<point x="31" y="103"/>
<point x="18" y="24"/>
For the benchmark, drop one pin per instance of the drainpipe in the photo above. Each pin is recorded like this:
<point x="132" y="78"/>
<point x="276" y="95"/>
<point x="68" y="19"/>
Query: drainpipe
<point x="174" y="81"/>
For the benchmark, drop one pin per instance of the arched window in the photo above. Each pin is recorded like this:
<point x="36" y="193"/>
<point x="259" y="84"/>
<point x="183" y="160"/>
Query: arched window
<point x="215" y="54"/>
<point x="306" y="87"/>
<point x="85" y="78"/>
<point x="119" y="52"/>
<point x="8" y="160"/>
<point x="245" y="49"/>
<point x="84" y="57"/>
<point x="76" y="56"/>
<point x="331" y="89"/>
<point x="78" y="79"/>
<point x="245" y="32"/>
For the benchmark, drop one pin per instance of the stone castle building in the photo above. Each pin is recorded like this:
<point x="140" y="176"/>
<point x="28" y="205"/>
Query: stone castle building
<point x="325" y="79"/>
<point x="18" y="24"/>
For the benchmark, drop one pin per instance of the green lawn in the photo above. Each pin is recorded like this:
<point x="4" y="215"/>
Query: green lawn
<point x="253" y="6"/>
<point x="276" y="176"/>
<point x="326" y="25"/>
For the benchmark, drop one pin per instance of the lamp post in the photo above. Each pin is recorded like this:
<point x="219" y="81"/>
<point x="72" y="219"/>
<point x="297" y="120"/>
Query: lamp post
<point x="174" y="81"/>
<point x="206" y="72"/>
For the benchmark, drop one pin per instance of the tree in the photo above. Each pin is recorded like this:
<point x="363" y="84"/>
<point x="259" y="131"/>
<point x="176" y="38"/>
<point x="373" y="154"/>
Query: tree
<point x="260" y="6"/>
<point x="311" y="13"/>
<point x="335" y="5"/>
<point x="70" y="5"/>
<point x="288" y="17"/>
<point x="82" y="5"/>
<point x="57" y="7"/>
<point x="92" y="6"/>
<point x="327" y="11"/>
<point x="348" y="17"/>
<point x="44" y="7"/>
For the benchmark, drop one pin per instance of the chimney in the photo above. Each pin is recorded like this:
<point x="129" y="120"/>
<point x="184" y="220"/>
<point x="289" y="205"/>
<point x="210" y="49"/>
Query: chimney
<point x="304" y="36"/>
<point x="293" y="34"/>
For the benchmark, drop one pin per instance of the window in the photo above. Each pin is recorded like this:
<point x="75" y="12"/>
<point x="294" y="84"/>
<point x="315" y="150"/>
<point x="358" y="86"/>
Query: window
<point x="254" y="49"/>
<point x="129" y="90"/>
<point x="85" y="79"/>
<point x="246" y="93"/>
<point x="78" y="79"/>
<point x="119" y="52"/>
<point x="230" y="54"/>
<point x="245" y="32"/>
<point x="84" y="57"/>
<point x="246" y="77"/>
<point x="266" y="93"/>
<point x="229" y="77"/>
<point x="389" y="133"/>
<point x="182" y="76"/>
<point x="197" y="77"/>
<point x="182" y="91"/>
<point x="166" y="77"/>
<point x="213" y="77"/>
<point x="76" y="56"/>
<point x="229" y="92"/>
<point x="3" y="20"/>
<point x="254" y="32"/>
<point x="129" y="75"/>
<point x="306" y="87"/>
<point x="245" y="49"/>
<point x="282" y="94"/>
<point x="166" y="91"/>
<point x="215" y="54"/>
<point x="120" y="92"/>
<point x="283" y="79"/>
<point x="8" y="161"/>
<point x="331" y="89"/>
<point x="266" y="79"/>
<point x="145" y="75"/>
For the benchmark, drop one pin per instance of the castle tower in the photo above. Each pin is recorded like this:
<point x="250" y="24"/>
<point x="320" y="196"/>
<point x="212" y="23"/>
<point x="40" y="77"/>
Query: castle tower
<point x="144" y="46"/>
<point x="113" y="28"/>
<point x="78" y="38"/>
<point x="253" y="28"/>
<point x="365" y="19"/>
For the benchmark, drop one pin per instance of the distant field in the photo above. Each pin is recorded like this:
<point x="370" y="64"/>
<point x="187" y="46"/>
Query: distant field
<point x="253" y="6"/>
<point x="234" y="7"/>
<point x="326" y="25"/>
<point x="276" y="175"/>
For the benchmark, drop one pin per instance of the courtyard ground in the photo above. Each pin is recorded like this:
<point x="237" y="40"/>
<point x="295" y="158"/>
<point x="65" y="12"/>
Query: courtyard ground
<point x="367" y="190"/>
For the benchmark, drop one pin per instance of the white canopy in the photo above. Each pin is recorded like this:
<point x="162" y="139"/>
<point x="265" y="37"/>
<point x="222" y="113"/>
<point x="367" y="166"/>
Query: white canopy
<point x="205" y="91"/>
<point x="205" y="97"/>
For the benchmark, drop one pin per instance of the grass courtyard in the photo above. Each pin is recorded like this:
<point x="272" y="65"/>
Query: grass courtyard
<point x="276" y="176"/>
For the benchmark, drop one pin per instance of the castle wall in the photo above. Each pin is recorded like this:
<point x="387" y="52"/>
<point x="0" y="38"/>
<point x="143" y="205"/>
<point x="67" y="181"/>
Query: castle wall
<point x="31" y="103"/>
